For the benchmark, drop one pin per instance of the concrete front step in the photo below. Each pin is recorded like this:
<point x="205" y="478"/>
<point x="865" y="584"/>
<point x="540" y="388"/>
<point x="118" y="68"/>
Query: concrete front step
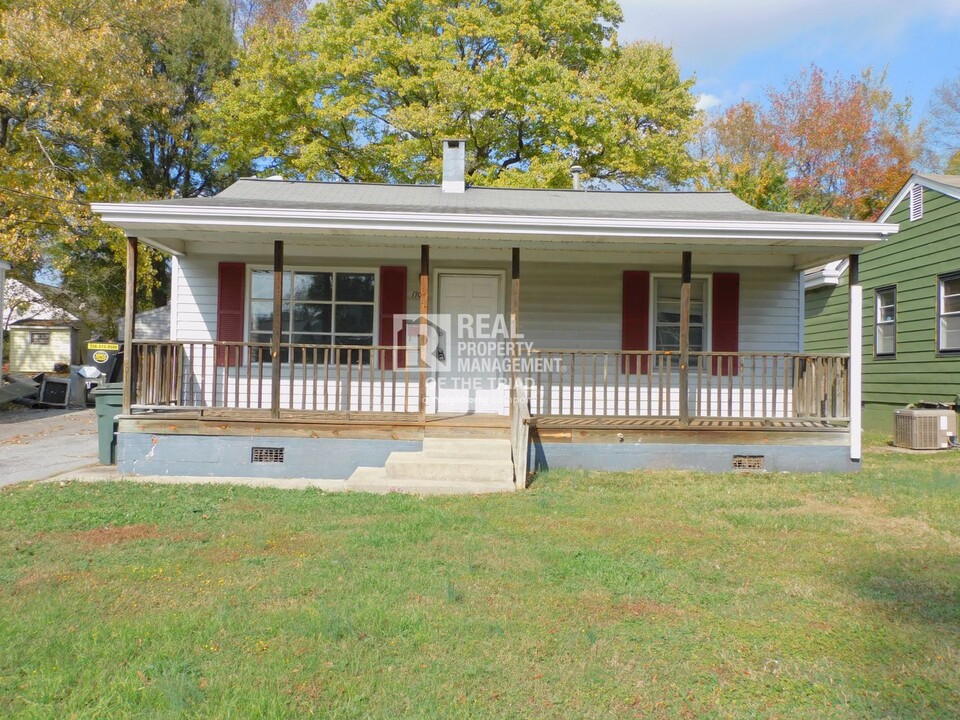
<point x="463" y="466"/>
<point x="375" y="480"/>
<point x="457" y="448"/>
<point x="424" y="466"/>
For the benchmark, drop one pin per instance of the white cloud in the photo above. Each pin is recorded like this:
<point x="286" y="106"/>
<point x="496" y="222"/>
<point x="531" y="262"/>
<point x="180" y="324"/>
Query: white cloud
<point x="706" y="101"/>
<point x="708" y="33"/>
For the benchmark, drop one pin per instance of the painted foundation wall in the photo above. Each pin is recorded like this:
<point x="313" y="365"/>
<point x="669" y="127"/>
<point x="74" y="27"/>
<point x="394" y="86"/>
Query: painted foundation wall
<point x="337" y="458"/>
<point x="230" y="456"/>
<point x="702" y="457"/>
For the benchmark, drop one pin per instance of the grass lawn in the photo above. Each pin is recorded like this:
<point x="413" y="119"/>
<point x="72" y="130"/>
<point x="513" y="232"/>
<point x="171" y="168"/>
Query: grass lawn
<point x="589" y="596"/>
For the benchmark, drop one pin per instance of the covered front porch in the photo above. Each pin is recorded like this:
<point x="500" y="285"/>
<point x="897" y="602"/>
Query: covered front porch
<point x="565" y="403"/>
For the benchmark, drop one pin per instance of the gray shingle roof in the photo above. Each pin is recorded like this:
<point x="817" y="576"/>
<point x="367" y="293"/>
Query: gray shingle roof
<point x="263" y="193"/>
<point x="952" y="180"/>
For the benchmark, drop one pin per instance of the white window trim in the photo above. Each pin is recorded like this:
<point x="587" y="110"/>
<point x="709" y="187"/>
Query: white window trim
<point x="877" y="323"/>
<point x="707" y="308"/>
<point x="248" y="293"/>
<point x="941" y="314"/>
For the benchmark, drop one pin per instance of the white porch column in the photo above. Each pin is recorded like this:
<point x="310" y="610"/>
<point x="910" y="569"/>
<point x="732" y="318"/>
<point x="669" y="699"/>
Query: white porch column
<point x="129" y="322"/>
<point x="856" y="358"/>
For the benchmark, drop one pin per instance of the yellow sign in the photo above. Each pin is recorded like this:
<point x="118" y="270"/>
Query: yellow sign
<point x="100" y="356"/>
<point x="103" y="346"/>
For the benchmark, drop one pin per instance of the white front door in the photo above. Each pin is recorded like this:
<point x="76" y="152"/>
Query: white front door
<point x="473" y="302"/>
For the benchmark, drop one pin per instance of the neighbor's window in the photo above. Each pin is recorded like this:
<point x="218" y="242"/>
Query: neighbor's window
<point x="319" y="308"/>
<point x="948" y="313"/>
<point x="885" y="341"/>
<point x="666" y="320"/>
<point x="39" y="338"/>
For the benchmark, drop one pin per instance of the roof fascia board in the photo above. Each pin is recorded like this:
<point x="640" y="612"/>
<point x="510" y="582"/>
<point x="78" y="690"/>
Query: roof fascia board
<point x="132" y="215"/>
<point x="826" y="275"/>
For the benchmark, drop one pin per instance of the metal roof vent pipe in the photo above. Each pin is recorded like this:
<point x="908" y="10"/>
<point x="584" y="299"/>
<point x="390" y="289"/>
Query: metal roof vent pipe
<point x="575" y="171"/>
<point x="454" y="159"/>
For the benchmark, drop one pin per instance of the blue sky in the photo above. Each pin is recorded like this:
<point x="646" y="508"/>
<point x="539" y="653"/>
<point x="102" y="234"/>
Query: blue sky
<point x="738" y="48"/>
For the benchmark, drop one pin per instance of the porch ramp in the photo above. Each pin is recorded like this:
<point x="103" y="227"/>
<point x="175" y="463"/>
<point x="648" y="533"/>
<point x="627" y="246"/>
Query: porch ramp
<point x="445" y="466"/>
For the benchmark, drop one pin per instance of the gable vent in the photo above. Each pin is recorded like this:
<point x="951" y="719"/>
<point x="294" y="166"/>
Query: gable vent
<point x="916" y="202"/>
<point x="266" y="455"/>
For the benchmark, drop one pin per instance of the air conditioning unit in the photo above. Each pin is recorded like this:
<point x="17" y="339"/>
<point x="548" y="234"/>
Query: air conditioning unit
<point x="924" y="429"/>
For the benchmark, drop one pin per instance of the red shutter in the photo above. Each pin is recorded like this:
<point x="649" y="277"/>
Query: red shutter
<point x="231" y="281"/>
<point x="393" y="301"/>
<point x="726" y="322"/>
<point x="635" y="332"/>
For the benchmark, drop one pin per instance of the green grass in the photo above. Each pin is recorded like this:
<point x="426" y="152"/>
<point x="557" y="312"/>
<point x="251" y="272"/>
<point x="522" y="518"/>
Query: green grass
<point x="652" y="595"/>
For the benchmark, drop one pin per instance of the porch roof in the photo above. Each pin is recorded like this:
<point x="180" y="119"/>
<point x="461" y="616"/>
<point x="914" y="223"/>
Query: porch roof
<point x="252" y="209"/>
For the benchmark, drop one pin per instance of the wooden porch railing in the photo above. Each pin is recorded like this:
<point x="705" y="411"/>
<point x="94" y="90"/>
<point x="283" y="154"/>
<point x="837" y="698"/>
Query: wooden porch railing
<point x="754" y="385"/>
<point x="342" y="378"/>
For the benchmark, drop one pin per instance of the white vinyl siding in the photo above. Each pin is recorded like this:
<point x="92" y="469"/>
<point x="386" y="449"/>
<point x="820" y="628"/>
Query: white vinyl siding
<point x="195" y="294"/>
<point x="579" y="306"/>
<point x="562" y="305"/>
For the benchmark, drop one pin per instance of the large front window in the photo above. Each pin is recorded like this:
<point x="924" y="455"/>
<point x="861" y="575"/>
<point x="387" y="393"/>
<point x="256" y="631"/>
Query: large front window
<point x="948" y="313"/>
<point x="667" y="314"/>
<point x="318" y="307"/>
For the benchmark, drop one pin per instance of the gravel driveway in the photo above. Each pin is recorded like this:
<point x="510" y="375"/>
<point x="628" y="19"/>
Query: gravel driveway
<point x="38" y="444"/>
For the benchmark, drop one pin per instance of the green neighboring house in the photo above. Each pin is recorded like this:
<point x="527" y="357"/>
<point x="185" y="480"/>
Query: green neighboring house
<point x="911" y="303"/>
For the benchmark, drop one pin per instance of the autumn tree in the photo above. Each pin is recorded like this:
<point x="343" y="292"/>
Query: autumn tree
<point x="743" y="160"/>
<point x="944" y="125"/>
<point x="245" y="14"/>
<point x="98" y="101"/>
<point x="843" y="145"/>
<point x="366" y="91"/>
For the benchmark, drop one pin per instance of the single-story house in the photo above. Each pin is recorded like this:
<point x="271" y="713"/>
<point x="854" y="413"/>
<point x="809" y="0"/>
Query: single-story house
<point x="911" y="310"/>
<point x="41" y="333"/>
<point x="4" y="266"/>
<point x="384" y="335"/>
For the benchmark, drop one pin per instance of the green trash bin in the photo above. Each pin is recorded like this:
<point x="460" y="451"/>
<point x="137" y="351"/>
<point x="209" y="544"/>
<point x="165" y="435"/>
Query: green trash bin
<point x="109" y="401"/>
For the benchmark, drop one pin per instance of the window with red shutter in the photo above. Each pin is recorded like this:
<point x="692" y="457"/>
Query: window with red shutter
<point x="635" y="318"/>
<point x="726" y="322"/>
<point x="393" y="301"/>
<point x="231" y="281"/>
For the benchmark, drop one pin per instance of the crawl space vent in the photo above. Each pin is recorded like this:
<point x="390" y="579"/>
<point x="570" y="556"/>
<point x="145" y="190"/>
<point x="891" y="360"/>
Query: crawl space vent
<point x="748" y="462"/>
<point x="266" y="455"/>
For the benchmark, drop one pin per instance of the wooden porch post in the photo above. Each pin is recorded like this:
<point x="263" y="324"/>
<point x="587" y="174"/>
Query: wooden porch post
<point x="129" y="322"/>
<point x="514" y="320"/>
<point x="856" y="357"/>
<point x="685" y="273"/>
<point x="275" y="370"/>
<point x="424" y="311"/>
